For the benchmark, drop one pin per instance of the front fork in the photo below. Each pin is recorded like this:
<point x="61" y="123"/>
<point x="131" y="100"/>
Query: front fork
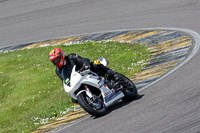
<point x="88" y="92"/>
<point x="95" y="102"/>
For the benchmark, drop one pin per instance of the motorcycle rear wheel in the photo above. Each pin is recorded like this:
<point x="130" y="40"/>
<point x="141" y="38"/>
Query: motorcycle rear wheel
<point x="130" y="93"/>
<point x="88" y="105"/>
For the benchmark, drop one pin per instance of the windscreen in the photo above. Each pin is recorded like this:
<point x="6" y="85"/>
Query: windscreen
<point x="66" y="73"/>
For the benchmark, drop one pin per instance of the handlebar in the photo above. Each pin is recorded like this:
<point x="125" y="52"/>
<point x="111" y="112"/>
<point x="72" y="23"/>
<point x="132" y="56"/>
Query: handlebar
<point x="85" y="72"/>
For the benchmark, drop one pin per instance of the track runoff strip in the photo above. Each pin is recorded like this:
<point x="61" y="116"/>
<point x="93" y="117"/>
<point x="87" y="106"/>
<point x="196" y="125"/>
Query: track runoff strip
<point x="170" y="49"/>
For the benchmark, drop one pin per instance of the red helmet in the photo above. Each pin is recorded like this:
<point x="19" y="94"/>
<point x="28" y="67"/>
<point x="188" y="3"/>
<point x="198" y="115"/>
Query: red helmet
<point x="57" y="56"/>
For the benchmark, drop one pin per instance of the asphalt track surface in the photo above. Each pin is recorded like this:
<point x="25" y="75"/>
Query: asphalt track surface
<point x="169" y="106"/>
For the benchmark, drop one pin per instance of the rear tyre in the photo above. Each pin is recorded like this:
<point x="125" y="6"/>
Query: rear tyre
<point x="94" y="107"/>
<point x="130" y="92"/>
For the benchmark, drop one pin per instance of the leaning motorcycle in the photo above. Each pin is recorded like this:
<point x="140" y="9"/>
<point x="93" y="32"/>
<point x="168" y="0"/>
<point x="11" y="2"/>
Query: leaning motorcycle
<point x="95" y="93"/>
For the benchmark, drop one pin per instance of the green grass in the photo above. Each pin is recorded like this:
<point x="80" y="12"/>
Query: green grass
<point x="30" y="91"/>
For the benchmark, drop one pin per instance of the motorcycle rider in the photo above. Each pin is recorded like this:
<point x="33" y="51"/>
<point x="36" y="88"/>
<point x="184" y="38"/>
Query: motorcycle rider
<point x="60" y="60"/>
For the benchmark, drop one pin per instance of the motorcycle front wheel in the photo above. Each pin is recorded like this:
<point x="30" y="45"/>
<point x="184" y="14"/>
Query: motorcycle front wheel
<point x="94" y="107"/>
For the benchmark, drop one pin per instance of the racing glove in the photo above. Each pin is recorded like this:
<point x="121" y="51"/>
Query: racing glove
<point x="85" y="67"/>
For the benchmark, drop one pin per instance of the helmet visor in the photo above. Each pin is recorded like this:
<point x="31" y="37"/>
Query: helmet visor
<point x="56" y="60"/>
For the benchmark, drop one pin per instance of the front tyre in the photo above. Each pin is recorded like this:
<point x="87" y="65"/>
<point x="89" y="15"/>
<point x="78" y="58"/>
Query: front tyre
<point x="94" y="107"/>
<point x="129" y="89"/>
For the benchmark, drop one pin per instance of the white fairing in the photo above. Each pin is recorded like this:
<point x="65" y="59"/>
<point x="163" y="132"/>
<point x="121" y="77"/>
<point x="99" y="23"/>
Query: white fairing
<point x="76" y="80"/>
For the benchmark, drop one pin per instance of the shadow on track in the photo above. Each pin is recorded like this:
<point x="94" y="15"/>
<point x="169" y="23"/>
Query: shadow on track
<point x="119" y="105"/>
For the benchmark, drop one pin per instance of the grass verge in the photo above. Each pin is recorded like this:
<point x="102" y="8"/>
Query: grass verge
<point x="32" y="95"/>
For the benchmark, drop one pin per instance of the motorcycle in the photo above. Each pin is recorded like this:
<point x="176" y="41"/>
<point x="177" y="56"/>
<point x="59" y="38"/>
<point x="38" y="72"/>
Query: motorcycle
<point x="95" y="93"/>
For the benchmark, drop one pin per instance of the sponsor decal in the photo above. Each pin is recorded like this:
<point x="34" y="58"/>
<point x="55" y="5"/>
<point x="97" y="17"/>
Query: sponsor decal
<point x="51" y="57"/>
<point x="101" y="83"/>
<point x="51" y="52"/>
<point x="111" y="96"/>
<point x="107" y="93"/>
<point x="75" y="74"/>
<point x="67" y="80"/>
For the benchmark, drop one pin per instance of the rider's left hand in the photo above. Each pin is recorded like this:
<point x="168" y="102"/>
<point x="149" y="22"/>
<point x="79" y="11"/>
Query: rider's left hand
<point x="85" y="67"/>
